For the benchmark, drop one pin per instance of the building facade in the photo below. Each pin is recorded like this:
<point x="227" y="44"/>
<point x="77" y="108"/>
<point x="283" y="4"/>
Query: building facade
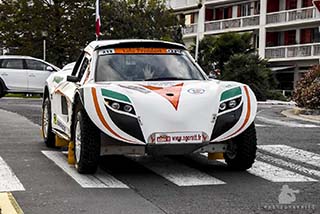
<point x="286" y="32"/>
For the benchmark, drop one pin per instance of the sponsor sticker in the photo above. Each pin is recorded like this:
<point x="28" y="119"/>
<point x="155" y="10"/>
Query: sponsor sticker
<point x="196" y="91"/>
<point x="176" y="138"/>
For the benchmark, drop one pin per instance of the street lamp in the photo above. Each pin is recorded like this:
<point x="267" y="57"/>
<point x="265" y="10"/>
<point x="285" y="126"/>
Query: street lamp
<point x="44" y="36"/>
<point x="197" y="37"/>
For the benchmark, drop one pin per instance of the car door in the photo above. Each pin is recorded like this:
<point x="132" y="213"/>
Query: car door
<point x="62" y="99"/>
<point x="38" y="72"/>
<point x="13" y="75"/>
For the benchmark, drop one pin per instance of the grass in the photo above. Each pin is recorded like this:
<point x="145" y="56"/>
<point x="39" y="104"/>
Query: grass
<point x="23" y="95"/>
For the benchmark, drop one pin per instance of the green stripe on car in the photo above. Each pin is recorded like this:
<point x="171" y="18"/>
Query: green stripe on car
<point x="230" y="93"/>
<point x="115" y="95"/>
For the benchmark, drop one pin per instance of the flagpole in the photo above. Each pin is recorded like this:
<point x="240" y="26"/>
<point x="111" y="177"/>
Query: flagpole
<point x="98" y="22"/>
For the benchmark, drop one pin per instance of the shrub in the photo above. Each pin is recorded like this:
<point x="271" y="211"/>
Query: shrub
<point x="307" y="92"/>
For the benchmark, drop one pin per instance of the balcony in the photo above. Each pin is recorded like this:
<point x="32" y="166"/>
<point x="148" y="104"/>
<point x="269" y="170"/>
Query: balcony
<point x="306" y="13"/>
<point x="240" y="22"/>
<point x="190" y="29"/>
<point x="293" y="51"/>
<point x="180" y="4"/>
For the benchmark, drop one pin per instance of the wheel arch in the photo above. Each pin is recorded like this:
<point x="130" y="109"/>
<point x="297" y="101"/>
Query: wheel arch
<point x="78" y="100"/>
<point x="3" y="85"/>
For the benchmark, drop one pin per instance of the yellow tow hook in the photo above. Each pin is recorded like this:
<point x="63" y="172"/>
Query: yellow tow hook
<point x="71" y="159"/>
<point x="215" y="156"/>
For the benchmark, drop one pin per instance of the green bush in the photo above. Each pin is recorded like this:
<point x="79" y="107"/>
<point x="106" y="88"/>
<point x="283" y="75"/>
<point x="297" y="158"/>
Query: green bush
<point x="307" y="92"/>
<point x="276" y="95"/>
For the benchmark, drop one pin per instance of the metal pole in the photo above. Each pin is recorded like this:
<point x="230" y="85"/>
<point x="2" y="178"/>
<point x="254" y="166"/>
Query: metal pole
<point x="197" y="45"/>
<point x="44" y="49"/>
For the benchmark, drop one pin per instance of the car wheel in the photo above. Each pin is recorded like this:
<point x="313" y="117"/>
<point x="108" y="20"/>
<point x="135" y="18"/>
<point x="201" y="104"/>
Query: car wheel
<point x="2" y="91"/>
<point x="241" y="150"/>
<point x="86" y="143"/>
<point x="48" y="135"/>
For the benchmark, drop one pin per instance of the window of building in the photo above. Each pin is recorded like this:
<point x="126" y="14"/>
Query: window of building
<point x="227" y="12"/>
<point x="290" y="37"/>
<point x="218" y="13"/>
<point x="244" y="10"/>
<point x="307" y="3"/>
<point x="272" y="39"/>
<point x="306" y="35"/>
<point x="291" y="4"/>
<point x="209" y="14"/>
<point x="272" y="6"/>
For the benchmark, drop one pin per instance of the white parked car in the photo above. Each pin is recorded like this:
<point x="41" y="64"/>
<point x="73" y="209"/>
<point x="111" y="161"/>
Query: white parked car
<point x="23" y="74"/>
<point x="146" y="97"/>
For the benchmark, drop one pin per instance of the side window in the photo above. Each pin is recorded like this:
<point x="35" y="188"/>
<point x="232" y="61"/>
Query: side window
<point x="83" y="68"/>
<point x="36" y="65"/>
<point x="12" y="63"/>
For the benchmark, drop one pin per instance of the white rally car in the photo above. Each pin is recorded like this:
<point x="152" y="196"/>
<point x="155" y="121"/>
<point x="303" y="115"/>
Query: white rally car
<point x="146" y="97"/>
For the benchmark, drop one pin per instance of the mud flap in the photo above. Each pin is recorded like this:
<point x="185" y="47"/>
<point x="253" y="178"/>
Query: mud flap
<point x="60" y="142"/>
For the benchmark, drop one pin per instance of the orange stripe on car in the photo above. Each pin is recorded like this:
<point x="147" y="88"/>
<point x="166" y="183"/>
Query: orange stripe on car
<point x="104" y="122"/>
<point x="246" y="119"/>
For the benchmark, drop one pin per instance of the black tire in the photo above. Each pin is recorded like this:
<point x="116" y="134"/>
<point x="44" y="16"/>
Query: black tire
<point x="87" y="159"/>
<point x="241" y="150"/>
<point x="48" y="135"/>
<point x="2" y="90"/>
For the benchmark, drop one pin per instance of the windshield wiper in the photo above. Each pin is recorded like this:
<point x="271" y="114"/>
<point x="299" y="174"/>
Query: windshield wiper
<point x="166" y="78"/>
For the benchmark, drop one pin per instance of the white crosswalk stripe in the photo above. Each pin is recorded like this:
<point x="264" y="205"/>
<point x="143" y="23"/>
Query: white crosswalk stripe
<point x="178" y="173"/>
<point x="276" y="174"/>
<point x="99" y="180"/>
<point x="8" y="180"/>
<point x="293" y="153"/>
<point x="296" y="167"/>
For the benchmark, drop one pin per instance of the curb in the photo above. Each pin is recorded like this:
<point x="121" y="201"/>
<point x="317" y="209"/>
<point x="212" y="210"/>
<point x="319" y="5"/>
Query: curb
<point x="8" y="204"/>
<point x="277" y="102"/>
<point x="291" y="114"/>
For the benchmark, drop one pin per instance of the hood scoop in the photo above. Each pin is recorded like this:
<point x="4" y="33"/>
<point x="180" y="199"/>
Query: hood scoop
<point x="171" y="93"/>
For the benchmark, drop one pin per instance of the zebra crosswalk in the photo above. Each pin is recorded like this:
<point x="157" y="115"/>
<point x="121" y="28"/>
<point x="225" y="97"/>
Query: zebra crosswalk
<point x="275" y="163"/>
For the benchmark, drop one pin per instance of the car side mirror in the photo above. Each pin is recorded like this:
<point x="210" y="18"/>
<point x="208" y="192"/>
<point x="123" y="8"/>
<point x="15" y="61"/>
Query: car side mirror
<point x="72" y="78"/>
<point x="49" y="68"/>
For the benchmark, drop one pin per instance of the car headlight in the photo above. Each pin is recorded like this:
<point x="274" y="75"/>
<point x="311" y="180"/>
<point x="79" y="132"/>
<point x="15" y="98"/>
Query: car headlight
<point x="222" y="106"/>
<point x="119" y="106"/>
<point x="230" y="104"/>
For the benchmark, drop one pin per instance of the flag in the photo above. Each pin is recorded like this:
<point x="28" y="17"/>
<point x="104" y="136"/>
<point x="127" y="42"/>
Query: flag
<point x="98" y="22"/>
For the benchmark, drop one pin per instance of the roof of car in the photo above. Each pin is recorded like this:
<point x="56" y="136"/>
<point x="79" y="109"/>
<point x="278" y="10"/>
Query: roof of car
<point x="16" y="57"/>
<point x="112" y="43"/>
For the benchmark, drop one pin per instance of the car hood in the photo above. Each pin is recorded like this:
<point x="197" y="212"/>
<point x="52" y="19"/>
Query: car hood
<point x="159" y="107"/>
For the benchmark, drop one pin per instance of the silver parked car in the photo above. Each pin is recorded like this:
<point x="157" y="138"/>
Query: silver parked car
<point x="23" y="74"/>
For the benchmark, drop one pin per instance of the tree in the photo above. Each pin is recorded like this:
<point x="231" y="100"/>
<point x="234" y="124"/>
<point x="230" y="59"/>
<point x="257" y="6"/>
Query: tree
<point x="307" y="92"/>
<point x="70" y="25"/>
<point x="67" y="25"/>
<point x="139" y="19"/>
<point x="219" y="49"/>
<point x="250" y="69"/>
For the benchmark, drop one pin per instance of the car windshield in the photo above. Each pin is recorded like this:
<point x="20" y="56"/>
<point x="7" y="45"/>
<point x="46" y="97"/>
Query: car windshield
<point x="146" y="67"/>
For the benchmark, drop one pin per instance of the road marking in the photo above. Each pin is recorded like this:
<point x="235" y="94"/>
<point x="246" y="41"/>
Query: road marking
<point x="285" y="123"/>
<point x="276" y="174"/>
<point x="9" y="205"/>
<point x="273" y="160"/>
<point x="177" y="173"/>
<point x="8" y="180"/>
<point x="99" y="180"/>
<point x="262" y="125"/>
<point x="293" y="153"/>
<point x="273" y="173"/>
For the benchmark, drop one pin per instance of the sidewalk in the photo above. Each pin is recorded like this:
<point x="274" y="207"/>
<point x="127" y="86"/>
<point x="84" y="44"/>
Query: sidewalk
<point x="294" y="112"/>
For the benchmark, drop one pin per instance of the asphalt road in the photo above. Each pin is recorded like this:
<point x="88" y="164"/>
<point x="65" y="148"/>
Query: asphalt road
<point x="289" y="154"/>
